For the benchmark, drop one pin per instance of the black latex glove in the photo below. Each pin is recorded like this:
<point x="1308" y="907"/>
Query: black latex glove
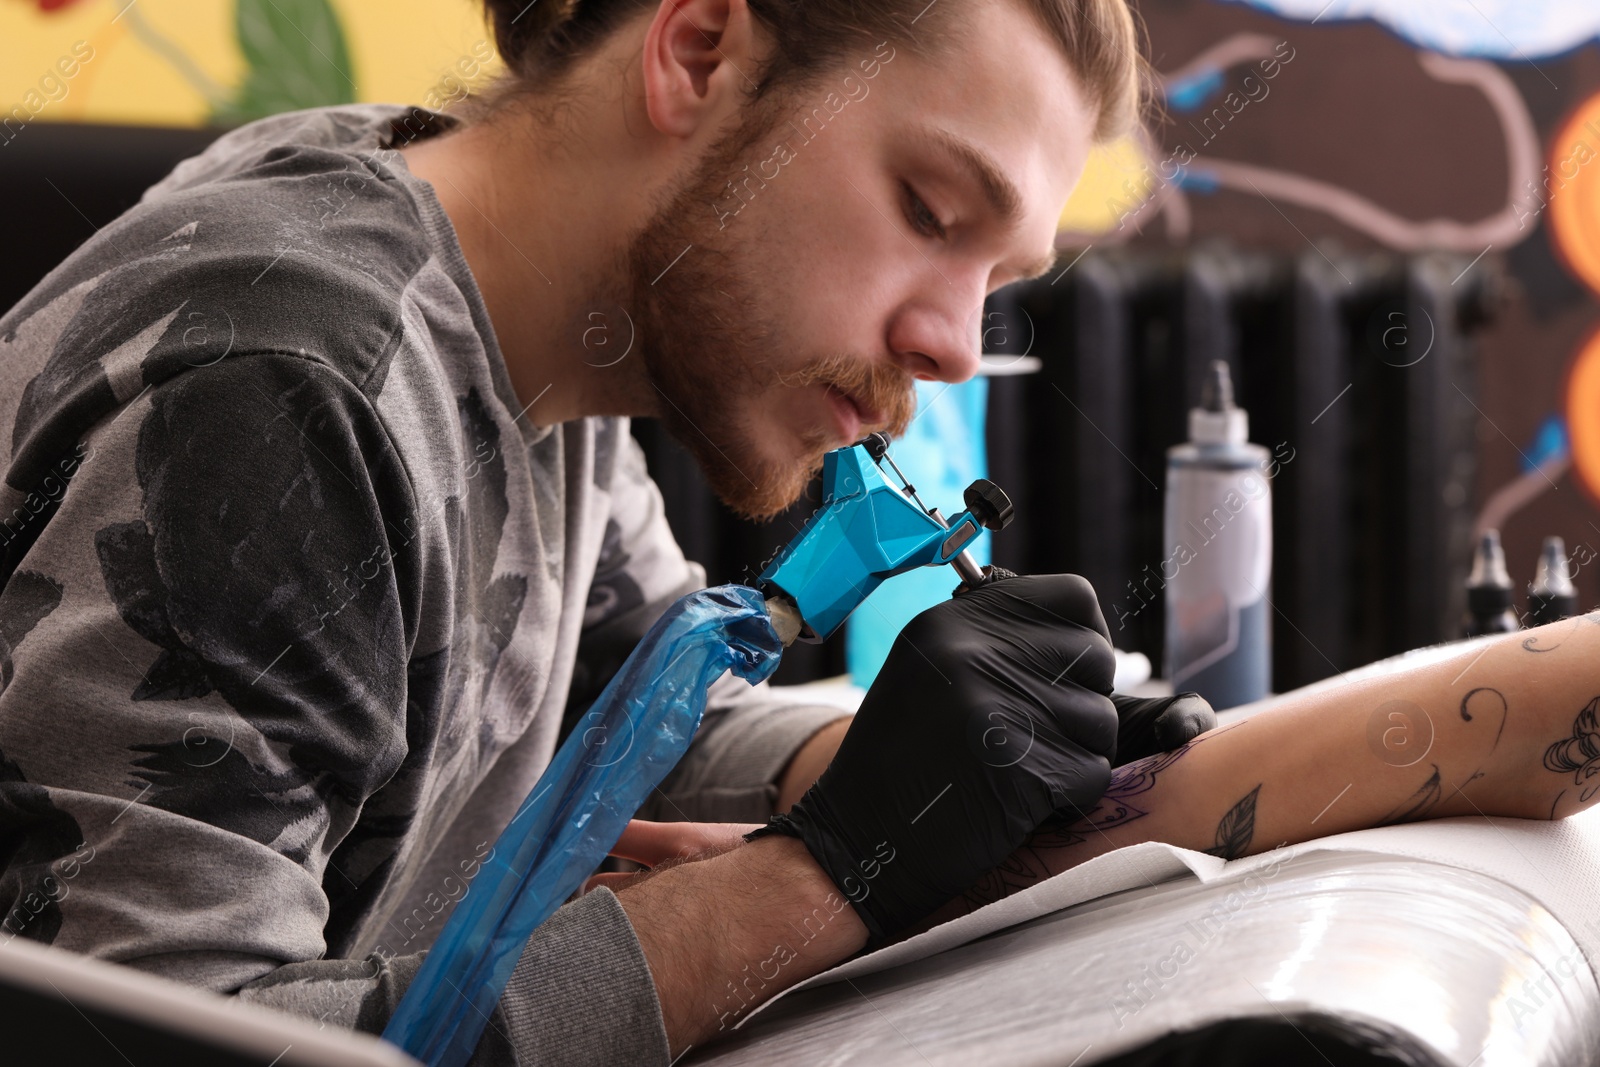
<point x="1159" y="724"/>
<point x="1147" y="724"/>
<point x="991" y="714"/>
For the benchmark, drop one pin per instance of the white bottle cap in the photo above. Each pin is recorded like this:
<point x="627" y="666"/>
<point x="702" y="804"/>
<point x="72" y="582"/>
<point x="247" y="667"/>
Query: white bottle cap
<point x="1218" y="421"/>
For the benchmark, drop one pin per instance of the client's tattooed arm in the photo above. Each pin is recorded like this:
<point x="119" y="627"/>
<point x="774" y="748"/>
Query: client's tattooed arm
<point x="1508" y="729"/>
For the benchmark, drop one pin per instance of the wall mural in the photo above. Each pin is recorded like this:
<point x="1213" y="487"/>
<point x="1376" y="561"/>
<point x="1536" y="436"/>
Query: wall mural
<point x="1465" y="125"/>
<point x="1556" y="176"/>
<point x="1575" y="229"/>
<point x="1502" y="29"/>
<point x="221" y="62"/>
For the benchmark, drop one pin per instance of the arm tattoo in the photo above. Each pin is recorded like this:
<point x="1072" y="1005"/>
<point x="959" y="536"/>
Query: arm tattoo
<point x="1532" y="642"/>
<point x="1580" y="753"/>
<point x="1486" y="701"/>
<point x="1115" y="806"/>
<point x="1029" y="864"/>
<point x="1420" y="803"/>
<point x="1236" y="829"/>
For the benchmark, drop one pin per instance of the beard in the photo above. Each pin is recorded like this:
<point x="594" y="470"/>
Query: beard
<point x="708" y="342"/>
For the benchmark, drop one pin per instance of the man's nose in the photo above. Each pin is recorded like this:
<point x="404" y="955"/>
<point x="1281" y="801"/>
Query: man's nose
<point x="936" y="341"/>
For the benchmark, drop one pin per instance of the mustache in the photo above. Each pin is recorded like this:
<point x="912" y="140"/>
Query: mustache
<point x="887" y="392"/>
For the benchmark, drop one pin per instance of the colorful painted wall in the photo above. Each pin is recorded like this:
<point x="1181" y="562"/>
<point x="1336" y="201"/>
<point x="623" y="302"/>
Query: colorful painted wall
<point x="197" y="62"/>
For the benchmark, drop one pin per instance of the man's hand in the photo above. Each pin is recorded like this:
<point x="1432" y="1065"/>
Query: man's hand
<point x="991" y="714"/>
<point x="723" y="934"/>
<point x="662" y="844"/>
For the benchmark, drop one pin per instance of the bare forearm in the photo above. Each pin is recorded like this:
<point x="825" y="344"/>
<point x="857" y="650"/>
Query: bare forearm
<point x="724" y="934"/>
<point x="1495" y="731"/>
<point x="809" y="762"/>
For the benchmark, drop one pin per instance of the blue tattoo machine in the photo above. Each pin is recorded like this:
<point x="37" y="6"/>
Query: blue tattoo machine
<point x="866" y="531"/>
<point x="869" y="530"/>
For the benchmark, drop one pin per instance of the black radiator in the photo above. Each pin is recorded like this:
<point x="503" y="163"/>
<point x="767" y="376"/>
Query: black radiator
<point x="1357" y="372"/>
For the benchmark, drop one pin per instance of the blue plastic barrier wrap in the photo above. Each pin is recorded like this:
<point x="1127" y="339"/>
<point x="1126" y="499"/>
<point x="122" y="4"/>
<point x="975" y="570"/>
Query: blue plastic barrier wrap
<point x="635" y="733"/>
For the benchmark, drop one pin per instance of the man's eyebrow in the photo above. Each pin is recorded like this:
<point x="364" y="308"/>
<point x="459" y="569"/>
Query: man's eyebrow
<point x="998" y="190"/>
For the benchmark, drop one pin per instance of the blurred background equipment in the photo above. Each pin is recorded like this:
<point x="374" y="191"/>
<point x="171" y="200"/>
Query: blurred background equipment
<point x="1216" y="565"/>
<point x="1551" y="594"/>
<point x="1372" y="448"/>
<point x="1489" y="590"/>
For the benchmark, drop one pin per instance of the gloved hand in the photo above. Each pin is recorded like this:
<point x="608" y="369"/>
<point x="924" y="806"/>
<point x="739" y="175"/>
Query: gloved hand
<point x="991" y="714"/>
<point x="1159" y="724"/>
<point x="1147" y="724"/>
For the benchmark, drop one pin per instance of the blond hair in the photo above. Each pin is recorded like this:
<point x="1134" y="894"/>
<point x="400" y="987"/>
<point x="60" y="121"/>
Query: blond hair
<point x="1098" y="38"/>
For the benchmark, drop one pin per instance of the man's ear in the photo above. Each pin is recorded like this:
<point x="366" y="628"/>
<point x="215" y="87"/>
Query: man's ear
<point x="695" y="55"/>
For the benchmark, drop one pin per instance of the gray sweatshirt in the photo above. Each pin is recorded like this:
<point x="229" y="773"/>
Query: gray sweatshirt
<point x="297" y="597"/>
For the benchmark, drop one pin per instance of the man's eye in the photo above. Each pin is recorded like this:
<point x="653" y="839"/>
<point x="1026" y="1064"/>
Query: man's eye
<point x="922" y="220"/>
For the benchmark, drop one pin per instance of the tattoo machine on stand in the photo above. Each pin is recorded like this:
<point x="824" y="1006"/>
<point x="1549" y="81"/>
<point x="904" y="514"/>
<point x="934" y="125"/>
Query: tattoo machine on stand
<point x="868" y="530"/>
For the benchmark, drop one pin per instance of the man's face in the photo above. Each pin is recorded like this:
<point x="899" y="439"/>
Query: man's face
<point x="841" y="242"/>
